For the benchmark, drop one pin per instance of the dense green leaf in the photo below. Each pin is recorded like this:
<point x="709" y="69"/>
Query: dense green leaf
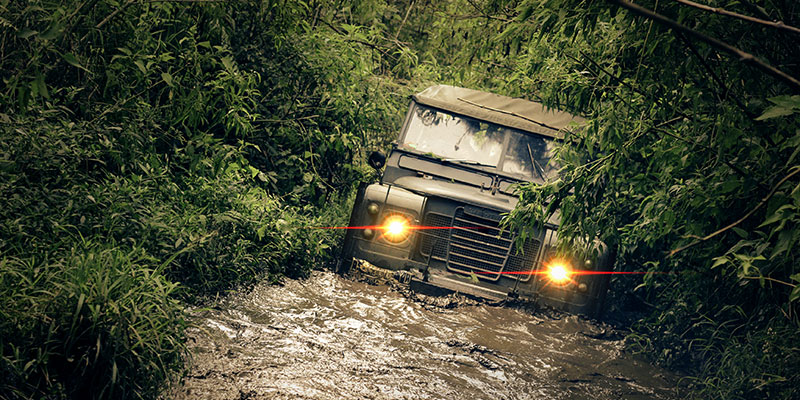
<point x="72" y="60"/>
<point x="775" y="112"/>
<point x="167" y="78"/>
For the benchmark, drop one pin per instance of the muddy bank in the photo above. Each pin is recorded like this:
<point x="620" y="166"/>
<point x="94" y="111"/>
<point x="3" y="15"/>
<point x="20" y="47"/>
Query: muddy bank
<point x="329" y="338"/>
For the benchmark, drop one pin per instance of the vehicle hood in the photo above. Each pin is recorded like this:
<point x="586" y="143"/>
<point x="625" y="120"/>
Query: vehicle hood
<point x="459" y="192"/>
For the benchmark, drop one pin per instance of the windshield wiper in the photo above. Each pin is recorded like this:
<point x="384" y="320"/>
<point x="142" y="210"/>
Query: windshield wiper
<point x="536" y="167"/>
<point x="468" y="162"/>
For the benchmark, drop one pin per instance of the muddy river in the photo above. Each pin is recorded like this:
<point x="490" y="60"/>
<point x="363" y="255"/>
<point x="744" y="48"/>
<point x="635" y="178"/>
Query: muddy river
<point x="329" y="338"/>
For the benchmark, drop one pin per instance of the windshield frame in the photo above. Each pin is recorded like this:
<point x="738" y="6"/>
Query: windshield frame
<point x="496" y="170"/>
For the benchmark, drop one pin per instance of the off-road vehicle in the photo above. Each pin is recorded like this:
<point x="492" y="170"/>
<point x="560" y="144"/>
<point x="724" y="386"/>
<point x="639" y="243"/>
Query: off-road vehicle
<point x="434" y="217"/>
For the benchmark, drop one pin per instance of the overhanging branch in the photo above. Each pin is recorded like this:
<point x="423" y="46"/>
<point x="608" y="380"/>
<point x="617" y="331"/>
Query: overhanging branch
<point x="740" y="220"/>
<point x="772" y="24"/>
<point x="715" y="43"/>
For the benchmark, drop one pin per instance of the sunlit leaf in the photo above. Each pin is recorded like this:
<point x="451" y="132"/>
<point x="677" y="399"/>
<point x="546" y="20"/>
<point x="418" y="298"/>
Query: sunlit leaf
<point x="167" y="78"/>
<point x="775" y="112"/>
<point x="26" y="33"/>
<point x="139" y="64"/>
<point x="719" y="261"/>
<point x="795" y="295"/>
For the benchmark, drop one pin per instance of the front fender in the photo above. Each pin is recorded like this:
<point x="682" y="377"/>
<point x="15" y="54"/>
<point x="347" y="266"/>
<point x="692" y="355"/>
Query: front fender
<point x="389" y="199"/>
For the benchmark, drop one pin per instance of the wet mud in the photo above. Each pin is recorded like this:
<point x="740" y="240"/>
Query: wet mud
<point x="329" y="338"/>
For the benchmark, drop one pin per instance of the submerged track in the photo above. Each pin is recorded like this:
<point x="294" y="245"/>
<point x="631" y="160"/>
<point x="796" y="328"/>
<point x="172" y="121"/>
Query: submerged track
<point x="329" y="338"/>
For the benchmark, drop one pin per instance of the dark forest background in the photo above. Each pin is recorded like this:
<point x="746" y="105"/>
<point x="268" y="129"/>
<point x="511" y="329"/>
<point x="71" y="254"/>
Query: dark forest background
<point x="155" y="153"/>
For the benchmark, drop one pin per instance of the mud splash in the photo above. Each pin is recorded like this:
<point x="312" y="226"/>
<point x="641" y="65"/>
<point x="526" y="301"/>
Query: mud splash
<point x="331" y="338"/>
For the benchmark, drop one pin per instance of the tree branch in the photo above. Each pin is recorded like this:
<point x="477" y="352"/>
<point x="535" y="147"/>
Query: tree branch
<point x="715" y="43"/>
<point x="725" y="88"/>
<point x="656" y="99"/>
<point x="772" y="24"/>
<point x="766" y="278"/>
<point x="613" y="92"/>
<point x="117" y="11"/>
<point x="730" y="165"/>
<point x="740" y="220"/>
<point x="402" y="24"/>
<point x="510" y="113"/>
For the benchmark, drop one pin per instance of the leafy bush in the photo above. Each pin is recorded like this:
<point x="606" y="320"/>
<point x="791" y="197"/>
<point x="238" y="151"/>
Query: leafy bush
<point x="687" y="165"/>
<point x="156" y="152"/>
<point x="97" y="322"/>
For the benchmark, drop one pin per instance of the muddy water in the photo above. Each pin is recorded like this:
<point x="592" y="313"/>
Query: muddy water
<point x="330" y="338"/>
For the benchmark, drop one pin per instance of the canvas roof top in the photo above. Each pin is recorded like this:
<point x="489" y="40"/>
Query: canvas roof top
<point x="512" y="112"/>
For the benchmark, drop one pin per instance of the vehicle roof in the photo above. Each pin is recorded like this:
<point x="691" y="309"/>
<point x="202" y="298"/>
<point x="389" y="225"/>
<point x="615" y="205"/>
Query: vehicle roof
<point x="508" y="111"/>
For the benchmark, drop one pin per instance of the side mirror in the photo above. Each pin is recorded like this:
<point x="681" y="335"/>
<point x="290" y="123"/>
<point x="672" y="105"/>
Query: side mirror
<point x="376" y="160"/>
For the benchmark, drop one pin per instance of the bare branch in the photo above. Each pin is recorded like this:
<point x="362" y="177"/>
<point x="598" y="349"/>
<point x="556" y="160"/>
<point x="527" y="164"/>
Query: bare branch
<point x="766" y="278"/>
<point x="725" y="88"/>
<point x="772" y="24"/>
<point x="402" y="24"/>
<point x="740" y="220"/>
<point x="656" y="99"/>
<point x="715" y="43"/>
<point x="117" y="11"/>
<point x="509" y="113"/>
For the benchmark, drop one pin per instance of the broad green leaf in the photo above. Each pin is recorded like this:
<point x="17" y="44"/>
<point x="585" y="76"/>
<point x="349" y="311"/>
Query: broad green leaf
<point x="785" y="242"/>
<point x="795" y="294"/>
<point x="42" y="86"/>
<point x="741" y="232"/>
<point x="167" y="78"/>
<point x="72" y="60"/>
<point x="228" y="63"/>
<point x="51" y="33"/>
<point x="780" y="214"/>
<point x="140" y="65"/>
<point x="261" y="231"/>
<point x="786" y="101"/>
<point x="719" y="261"/>
<point x="26" y="33"/>
<point x="775" y="112"/>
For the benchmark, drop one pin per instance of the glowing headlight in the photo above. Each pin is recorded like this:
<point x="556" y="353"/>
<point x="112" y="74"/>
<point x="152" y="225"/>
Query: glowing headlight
<point x="396" y="228"/>
<point x="559" y="272"/>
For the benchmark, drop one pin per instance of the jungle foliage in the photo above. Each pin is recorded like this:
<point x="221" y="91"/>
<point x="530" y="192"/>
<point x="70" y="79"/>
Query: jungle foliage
<point x="155" y="152"/>
<point x="688" y="165"/>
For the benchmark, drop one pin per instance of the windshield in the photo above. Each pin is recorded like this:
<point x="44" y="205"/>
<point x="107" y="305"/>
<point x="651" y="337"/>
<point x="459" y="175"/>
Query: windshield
<point x="467" y="140"/>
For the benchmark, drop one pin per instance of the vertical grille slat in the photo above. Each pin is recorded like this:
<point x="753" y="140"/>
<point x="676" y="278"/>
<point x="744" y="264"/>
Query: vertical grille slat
<point x="485" y="249"/>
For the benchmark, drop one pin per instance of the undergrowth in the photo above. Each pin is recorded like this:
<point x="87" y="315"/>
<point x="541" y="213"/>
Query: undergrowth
<point x="154" y="154"/>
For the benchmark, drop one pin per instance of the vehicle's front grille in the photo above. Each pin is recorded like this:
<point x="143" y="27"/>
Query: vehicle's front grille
<point x="475" y="244"/>
<point x="436" y="239"/>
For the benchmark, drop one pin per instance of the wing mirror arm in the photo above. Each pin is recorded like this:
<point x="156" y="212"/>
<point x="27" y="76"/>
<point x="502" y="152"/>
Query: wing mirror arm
<point x="376" y="160"/>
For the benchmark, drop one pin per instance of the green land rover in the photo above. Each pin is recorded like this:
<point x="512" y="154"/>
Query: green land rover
<point x="433" y="219"/>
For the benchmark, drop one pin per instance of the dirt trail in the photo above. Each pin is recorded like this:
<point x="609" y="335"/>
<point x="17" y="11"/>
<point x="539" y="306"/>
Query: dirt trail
<point x="331" y="338"/>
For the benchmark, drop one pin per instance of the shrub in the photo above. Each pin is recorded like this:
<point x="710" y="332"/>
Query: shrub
<point x="96" y="322"/>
